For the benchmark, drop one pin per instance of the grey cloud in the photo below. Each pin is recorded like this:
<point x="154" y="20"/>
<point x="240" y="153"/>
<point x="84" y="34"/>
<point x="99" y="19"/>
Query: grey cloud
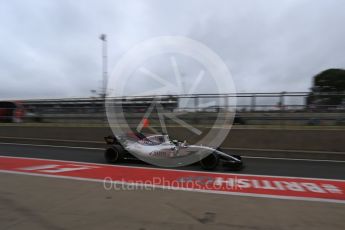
<point x="51" y="48"/>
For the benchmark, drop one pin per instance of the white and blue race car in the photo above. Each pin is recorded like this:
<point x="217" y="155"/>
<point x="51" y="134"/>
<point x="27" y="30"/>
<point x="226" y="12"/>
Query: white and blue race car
<point x="136" y="145"/>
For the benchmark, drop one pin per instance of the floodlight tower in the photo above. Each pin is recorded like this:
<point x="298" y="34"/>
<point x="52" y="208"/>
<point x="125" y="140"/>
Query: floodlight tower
<point x="103" y="37"/>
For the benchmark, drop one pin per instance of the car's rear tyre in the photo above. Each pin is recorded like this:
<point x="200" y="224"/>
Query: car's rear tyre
<point x="210" y="162"/>
<point x="114" y="154"/>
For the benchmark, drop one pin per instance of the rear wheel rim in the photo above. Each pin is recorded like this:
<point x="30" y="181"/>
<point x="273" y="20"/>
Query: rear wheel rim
<point x="112" y="155"/>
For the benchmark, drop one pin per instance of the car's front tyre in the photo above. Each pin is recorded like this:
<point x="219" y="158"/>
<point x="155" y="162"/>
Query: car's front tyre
<point x="234" y="165"/>
<point x="210" y="162"/>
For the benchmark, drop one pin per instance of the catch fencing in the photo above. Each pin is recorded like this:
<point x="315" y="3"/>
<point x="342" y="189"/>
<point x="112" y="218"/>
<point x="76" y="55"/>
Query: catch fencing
<point x="286" y="108"/>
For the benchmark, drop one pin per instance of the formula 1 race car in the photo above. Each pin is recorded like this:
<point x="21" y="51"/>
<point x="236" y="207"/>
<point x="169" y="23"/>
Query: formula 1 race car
<point x="136" y="145"/>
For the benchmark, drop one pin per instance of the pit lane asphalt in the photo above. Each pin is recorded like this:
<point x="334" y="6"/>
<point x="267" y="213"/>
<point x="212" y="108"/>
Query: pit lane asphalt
<point x="257" y="166"/>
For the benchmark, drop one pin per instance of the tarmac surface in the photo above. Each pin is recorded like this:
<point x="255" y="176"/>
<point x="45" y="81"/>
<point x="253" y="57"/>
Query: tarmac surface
<point x="29" y="202"/>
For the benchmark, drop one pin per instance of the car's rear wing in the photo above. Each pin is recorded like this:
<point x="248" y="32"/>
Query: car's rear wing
<point x="132" y="136"/>
<point x="110" y="140"/>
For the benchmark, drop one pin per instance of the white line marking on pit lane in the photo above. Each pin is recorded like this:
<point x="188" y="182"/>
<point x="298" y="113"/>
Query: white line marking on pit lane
<point x="285" y="150"/>
<point x="293" y="159"/>
<point x="243" y="156"/>
<point x="51" y="146"/>
<point x="179" y="188"/>
<point x="51" y="139"/>
<point x="53" y="168"/>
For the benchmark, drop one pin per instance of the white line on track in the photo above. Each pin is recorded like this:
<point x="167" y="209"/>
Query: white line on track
<point x="286" y="150"/>
<point x="51" y="146"/>
<point x="293" y="159"/>
<point x="51" y="139"/>
<point x="243" y="156"/>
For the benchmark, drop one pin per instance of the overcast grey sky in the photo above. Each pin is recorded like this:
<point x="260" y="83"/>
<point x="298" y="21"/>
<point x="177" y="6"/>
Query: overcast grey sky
<point x="50" y="48"/>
